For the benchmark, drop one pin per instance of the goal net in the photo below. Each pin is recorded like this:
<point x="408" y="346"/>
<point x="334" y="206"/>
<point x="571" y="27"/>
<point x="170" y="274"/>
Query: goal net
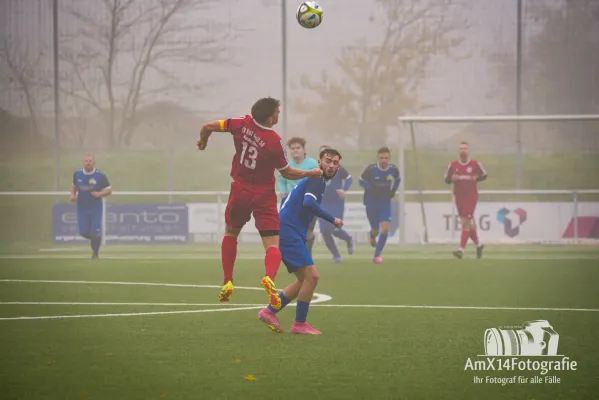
<point x="542" y="186"/>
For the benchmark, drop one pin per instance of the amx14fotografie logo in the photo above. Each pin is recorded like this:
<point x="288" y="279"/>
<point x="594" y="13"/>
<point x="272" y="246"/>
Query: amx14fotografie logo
<point x="531" y="347"/>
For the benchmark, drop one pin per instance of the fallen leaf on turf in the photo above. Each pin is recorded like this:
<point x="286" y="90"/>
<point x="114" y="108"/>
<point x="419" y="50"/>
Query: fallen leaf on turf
<point x="237" y="360"/>
<point x="52" y="362"/>
<point x="163" y="395"/>
<point x="82" y="395"/>
<point x="143" y="330"/>
<point x="250" y="378"/>
<point x="108" y="354"/>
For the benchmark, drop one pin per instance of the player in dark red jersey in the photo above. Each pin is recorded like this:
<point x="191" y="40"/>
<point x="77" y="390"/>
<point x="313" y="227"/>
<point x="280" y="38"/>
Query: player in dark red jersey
<point x="465" y="173"/>
<point x="258" y="152"/>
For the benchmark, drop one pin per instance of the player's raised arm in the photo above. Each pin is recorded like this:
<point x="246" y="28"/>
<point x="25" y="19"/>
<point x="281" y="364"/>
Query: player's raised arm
<point x="295" y="174"/>
<point x="219" y="125"/>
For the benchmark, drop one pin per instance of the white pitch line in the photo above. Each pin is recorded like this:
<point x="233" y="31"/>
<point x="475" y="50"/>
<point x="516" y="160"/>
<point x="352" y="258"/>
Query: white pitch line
<point x="66" y="303"/>
<point x="319" y="297"/>
<point x="455" y="307"/>
<point x="131" y="314"/>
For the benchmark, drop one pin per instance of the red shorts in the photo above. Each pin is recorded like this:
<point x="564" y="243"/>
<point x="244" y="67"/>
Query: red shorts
<point x="242" y="203"/>
<point x="466" y="207"/>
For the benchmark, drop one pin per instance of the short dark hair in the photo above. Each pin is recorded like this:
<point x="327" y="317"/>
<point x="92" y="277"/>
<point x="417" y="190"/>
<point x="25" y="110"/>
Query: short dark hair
<point x="296" y="139"/>
<point x="464" y="142"/>
<point x="384" y="149"/>
<point x="330" y="152"/>
<point x="264" y="109"/>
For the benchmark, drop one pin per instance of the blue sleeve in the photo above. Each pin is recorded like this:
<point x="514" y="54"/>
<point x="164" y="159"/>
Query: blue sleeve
<point x="348" y="182"/>
<point x="365" y="179"/>
<point x="311" y="203"/>
<point x="103" y="182"/>
<point x="395" y="173"/>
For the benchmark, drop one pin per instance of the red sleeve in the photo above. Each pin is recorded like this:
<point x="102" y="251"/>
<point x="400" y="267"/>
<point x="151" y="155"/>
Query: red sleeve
<point x="278" y="155"/>
<point x="232" y="125"/>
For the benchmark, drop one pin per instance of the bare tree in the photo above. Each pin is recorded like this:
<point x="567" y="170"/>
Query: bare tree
<point x="117" y="50"/>
<point x="560" y="65"/>
<point x="380" y="81"/>
<point x="22" y="66"/>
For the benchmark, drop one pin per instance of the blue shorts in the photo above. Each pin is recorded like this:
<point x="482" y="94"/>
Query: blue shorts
<point x="294" y="252"/>
<point x="90" y="222"/>
<point x="378" y="212"/>
<point x="336" y="210"/>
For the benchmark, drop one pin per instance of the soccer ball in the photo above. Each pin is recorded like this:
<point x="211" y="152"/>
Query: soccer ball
<point x="309" y="14"/>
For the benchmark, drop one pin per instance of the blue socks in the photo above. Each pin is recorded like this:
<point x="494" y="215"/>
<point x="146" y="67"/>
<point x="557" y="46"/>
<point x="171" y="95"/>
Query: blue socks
<point x="341" y="234"/>
<point x="330" y="243"/>
<point x="95" y="242"/>
<point x="380" y="245"/>
<point x="301" y="311"/>
<point x="284" y="302"/>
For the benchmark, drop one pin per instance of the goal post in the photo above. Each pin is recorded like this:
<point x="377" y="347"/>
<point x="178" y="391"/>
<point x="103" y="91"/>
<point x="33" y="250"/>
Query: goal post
<point x="538" y="165"/>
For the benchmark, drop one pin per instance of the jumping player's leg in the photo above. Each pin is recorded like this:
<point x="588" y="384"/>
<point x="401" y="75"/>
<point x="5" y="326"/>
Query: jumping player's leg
<point x="266" y="216"/>
<point x="385" y="220"/>
<point x="372" y="213"/>
<point x="326" y="230"/>
<point x="237" y="214"/>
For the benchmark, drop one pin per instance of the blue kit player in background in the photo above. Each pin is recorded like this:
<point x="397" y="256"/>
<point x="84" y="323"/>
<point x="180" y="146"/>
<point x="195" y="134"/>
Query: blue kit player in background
<point x="297" y="213"/>
<point x="333" y="201"/>
<point x="89" y="186"/>
<point x="380" y="182"/>
<point x="300" y="160"/>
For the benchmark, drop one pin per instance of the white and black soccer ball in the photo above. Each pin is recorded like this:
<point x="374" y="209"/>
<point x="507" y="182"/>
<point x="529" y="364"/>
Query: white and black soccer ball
<point x="309" y="14"/>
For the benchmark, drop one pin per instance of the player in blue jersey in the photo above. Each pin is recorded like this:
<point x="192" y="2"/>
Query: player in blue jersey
<point x="380" y="182"/>
<point x="333" y="201"/>
<point x="300" y="160"/>
<point x="89" y="186"/>
<point x="297" y="213"/>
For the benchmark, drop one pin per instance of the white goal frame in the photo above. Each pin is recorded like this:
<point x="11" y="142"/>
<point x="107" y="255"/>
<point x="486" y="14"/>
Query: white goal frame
<point x="406" y="127"/>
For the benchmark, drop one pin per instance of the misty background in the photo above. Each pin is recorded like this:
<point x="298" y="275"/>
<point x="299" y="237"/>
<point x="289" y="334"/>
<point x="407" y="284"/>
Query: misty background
<point x="139" y="77"/>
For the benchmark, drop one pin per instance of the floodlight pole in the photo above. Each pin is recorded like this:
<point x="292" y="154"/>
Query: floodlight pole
<point x="284" y="67"/>
<point x="56" y="97"/>
<point x="519" y="156"/>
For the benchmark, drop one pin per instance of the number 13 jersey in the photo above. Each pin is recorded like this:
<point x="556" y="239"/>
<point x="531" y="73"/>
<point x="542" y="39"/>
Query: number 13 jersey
<point x="258" y="152"/>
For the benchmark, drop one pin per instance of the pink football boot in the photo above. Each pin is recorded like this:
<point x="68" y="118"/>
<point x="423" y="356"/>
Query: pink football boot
<point x="270" y="319"/>
<point x="304" y="328"/>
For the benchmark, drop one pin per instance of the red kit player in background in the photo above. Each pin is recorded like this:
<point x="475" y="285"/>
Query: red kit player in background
<point x="258" y="152"/>
<point x="465" y="173"/>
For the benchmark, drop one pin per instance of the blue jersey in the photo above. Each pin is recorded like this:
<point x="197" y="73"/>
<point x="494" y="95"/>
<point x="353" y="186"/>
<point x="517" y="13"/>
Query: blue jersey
<point x="300" y="207"/>
<point x="379" y="184"/>
<point x="342" y="180"/>
<point x="86" y="183"/>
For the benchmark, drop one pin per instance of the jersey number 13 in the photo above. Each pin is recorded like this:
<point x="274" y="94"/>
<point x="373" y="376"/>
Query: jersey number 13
<point x="248" y="156"/>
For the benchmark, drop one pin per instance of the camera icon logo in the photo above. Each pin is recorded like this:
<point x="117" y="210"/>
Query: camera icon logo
<point x="533" y="338"/>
